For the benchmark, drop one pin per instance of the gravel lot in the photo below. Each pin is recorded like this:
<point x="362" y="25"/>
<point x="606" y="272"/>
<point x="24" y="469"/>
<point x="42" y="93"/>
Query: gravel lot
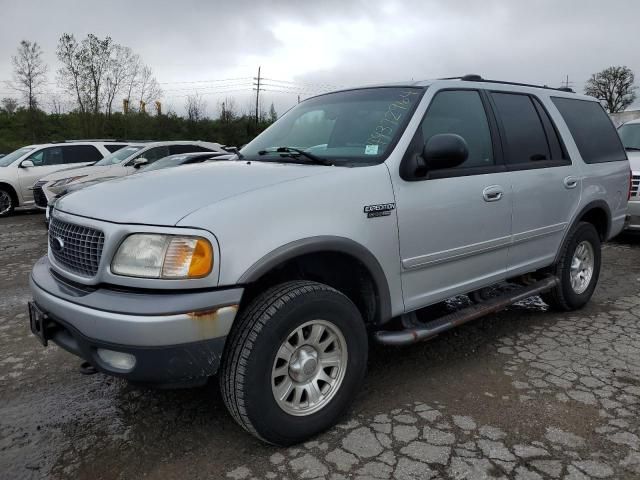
<point x="524" y="394"/>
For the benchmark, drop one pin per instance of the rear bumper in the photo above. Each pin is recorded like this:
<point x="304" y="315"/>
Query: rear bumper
<point x="633" y="210"/>
<point x="176" y="338"/>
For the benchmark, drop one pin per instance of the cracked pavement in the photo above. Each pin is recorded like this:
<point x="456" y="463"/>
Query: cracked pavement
<point x="523" y="394"/>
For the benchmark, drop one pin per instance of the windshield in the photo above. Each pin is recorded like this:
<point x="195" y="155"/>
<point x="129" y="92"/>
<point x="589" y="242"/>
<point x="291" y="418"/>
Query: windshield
<point x="355" y="127"/>
<point x="13" y="156"/>
<point x="119" y="156"/>
<point x="629" y="133"/>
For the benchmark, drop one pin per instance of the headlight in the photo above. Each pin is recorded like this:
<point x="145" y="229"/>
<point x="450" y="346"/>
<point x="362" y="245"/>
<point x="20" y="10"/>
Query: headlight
<point x="163" y="256"/>
<point x="66" y="181"/>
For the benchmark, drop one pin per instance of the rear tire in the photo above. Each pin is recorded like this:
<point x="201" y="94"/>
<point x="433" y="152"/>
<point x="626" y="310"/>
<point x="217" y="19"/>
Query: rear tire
<point x="7" y="202"/>
<point x="578" y="269"/>
<point x="300" y="337"/>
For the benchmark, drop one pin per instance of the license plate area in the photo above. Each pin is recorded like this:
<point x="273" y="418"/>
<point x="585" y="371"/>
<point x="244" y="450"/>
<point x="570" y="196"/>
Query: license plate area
<point x="38" y="323"/>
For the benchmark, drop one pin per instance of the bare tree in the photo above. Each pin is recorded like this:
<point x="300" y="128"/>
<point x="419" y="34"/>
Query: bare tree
<point x="72" y="75"/>
<point x="195" y="107"/>
<point x="148" y="87"/>
<point x="227" y="111"/>
<point x="9" y="105"/>
<point x="95" y="55"/>
<point x="121" y="69"/>
<point x="29" y="72"/>
<point x="273" y="115"/>
<point x="614" y="87"/>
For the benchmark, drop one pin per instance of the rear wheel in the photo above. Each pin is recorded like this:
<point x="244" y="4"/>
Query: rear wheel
<point x="7" y="202"/>
<point x="578" y="269"/>
<point x="295" y="360"/>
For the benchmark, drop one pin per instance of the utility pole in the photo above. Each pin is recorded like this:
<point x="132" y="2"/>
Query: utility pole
<point x="257" y="89"/>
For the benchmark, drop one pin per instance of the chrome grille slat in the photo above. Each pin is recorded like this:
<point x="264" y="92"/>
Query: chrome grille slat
<point x="635" y="185"/>
<point x="82" y="247"/>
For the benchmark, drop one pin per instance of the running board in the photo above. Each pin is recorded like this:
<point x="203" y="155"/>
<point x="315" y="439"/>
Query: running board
<point x="418" y="333"/>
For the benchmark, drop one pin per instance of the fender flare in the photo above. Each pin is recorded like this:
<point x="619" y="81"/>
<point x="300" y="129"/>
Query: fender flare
<point x="601" y="204"/>
<point x="327" y="243"/>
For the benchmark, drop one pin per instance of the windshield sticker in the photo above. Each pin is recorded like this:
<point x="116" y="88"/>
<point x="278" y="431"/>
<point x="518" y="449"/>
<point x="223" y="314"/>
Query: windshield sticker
<point x="371" y="150"/>
<point x="384" y="130"/>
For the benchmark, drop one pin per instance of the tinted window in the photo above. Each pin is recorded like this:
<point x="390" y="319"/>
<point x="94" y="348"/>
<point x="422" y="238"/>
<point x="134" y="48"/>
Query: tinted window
<point x="461" y="112"/>
<point x="154" y="154"/>
<point x="630" y="135"/>
<point x="47" y="156"/>
<point x="114" y="147"/>
<point x="553" y="139"/>
<point x="13" y="156"/>
<point x="525" y="139"/>
<point x="592" y="130"/>
<point x="81" y="154"/>
<point x="176" y="149"/>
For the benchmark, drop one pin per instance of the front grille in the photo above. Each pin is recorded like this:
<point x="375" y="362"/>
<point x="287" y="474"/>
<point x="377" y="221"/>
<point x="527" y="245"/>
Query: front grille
<point x="38" y="195"/>
<point x="76" y="248"/>
<point x="635" y="185"/>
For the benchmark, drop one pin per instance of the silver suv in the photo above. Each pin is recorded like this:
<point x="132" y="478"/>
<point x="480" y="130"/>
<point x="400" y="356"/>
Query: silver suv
<point x="337" y="225"/>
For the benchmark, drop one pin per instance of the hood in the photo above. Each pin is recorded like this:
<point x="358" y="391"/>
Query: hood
<point x="163" y="197"/>
<point x="74" y="171"/>
<point x="634" y="160"/>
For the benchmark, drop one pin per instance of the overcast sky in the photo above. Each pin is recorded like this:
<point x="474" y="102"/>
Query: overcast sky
<point x="307" y="46"/>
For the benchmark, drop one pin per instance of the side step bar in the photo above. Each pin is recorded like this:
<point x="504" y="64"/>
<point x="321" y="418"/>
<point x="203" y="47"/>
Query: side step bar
<point x="418" y="333"/>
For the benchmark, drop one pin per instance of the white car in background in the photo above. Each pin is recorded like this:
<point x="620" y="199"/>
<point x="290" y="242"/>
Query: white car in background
<point x="120" y="164"/>
<point x="20" y="169"/>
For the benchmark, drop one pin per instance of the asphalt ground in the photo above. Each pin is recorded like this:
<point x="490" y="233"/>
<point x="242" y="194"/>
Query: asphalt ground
<point x="523" y="394"/>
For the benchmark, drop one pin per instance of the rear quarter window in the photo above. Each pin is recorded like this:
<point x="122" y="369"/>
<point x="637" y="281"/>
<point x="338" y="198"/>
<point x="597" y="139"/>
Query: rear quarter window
<point x="592" y="130"/>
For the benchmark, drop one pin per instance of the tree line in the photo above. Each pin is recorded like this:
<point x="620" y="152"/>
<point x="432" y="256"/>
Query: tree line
<point x="97" y="76"/>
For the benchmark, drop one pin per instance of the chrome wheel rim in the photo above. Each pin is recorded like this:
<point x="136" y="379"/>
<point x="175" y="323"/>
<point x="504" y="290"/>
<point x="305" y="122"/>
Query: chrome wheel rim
<point x="5" y="202"/>
<point x="582" y="266"/>
<point x="309" y="368"/>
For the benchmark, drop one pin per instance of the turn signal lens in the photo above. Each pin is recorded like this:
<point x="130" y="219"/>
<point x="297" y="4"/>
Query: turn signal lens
<point x="187" y="257"/>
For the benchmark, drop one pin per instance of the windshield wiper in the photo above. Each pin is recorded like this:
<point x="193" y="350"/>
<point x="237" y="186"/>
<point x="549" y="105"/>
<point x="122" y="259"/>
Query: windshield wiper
<point x="635" y="149"/>
<point x="235" y="151"/>
<point x="292" y="150"/>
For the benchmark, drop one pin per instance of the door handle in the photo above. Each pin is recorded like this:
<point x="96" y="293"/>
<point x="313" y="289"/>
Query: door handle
<point x="570" y="182"/>
<point x="492" y="193"/>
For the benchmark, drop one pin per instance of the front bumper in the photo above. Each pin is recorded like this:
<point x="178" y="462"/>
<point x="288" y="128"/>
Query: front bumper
<point x="176" y="338"/>
<point x="633" y="210"/>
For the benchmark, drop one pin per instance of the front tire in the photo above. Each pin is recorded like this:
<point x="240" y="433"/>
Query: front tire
<point x="294" y="362"/>
<point x="578" y="269"/>
<point x="7" y="203"/>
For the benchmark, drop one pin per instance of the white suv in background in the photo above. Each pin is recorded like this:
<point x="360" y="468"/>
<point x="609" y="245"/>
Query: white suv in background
<point x="120" y="164"/>
<point x="20" y="169"/>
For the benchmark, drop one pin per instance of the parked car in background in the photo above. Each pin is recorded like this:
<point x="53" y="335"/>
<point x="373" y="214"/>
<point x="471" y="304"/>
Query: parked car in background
<point x="20" y="169"/>
<point x="630" y="135"/>
<point x="186" y="159"/>
<point x="351" y="213"/>
<point x="120" y="164"/>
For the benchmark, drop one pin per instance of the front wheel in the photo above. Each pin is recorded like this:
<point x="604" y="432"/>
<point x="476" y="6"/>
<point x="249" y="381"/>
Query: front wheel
<point x="578" y="269"/>
<point x="7" y="204"/>
<point x="295" y="360"/>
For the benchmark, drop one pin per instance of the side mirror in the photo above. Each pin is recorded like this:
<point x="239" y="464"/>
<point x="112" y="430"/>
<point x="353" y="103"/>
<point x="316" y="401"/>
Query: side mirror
<point x="444" y="150"/>
<point x="26" y="164"/>
<point x="140" y="162"/>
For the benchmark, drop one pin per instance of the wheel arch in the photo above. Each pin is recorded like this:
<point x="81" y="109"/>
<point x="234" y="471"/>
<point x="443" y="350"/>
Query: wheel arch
<point x="598" y="214"/>
<point x="327" y="245"/>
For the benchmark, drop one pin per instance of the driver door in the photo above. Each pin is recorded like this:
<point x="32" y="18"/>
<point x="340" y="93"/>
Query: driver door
<point x="46" y="161"/>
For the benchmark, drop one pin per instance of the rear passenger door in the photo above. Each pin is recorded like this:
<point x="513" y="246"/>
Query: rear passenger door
<point x="545" y="184"/>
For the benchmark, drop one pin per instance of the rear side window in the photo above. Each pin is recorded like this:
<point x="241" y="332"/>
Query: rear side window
<point x="114" y="147"/>
<point x="175" y="149"/>
<point x="592" y="130"/>
<point x="81" y="154"/>
<point x="525" y="140"/>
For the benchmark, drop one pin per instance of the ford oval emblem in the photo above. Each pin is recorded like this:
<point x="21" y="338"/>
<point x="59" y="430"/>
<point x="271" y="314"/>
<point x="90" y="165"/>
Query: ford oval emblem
<point x="57" y="244"/>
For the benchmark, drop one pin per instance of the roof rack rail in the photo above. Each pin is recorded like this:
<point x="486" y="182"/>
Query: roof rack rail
<point x="472" y="77"/>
